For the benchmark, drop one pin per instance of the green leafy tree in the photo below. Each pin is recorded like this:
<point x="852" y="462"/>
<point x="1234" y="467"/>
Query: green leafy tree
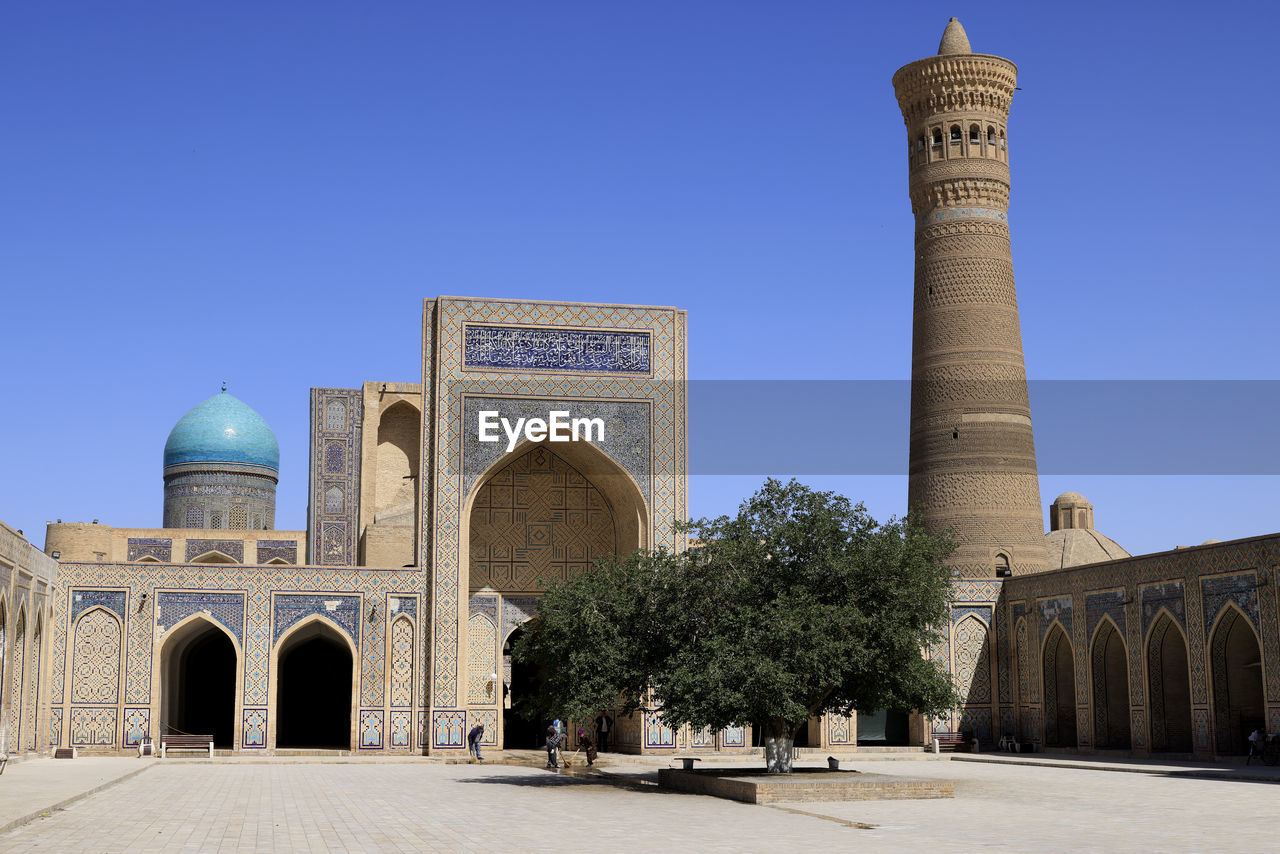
<point x="800" y="604"/>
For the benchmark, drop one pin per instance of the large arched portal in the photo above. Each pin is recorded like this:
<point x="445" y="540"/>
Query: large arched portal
<point x="1110" y="673"/>
<point x="198" y="682"/>
<point x="1059" y="690"/>
<point x="1169" y="687"/>
<point x="1236" y="665"/>
<point x="314" y="690"/>
<point x="537" y="516"/>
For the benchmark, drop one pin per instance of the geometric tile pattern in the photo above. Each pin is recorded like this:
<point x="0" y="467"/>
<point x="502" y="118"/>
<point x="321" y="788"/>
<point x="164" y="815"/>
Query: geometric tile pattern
<point x="137" y="725"/>
<point x="220" y="589"/>
<point x="283" y="551"/>
<point x="1109" y="603"/>
<point x="1165" y="595"/>
<point x="233" y="549"/>
<point x="489" y="719"/>
<point x="537" y="521"/>
<point x="972" y="667"/>
<point x="160" y="549"/>
<point x="627" y="426"/>
<point x="482" y="660"/>
<point x="838" y="729"/>
<point x="336" y="418"/>
<point x="444" y="433"/>
<point x="226" y="608"/>
<point x="401" y="679"/>
<point x="656" y="733"/>
<point x="83" y="600"/>
<point x="92" y="727"/>
<point x="292" y="607"/>
<point x="1240" y="589"/>
<point x="95" y="669"/>
<point x="254" y="736"/>
<point x="400" y="733"/>
<point x="17" y="672"/>
<point x="371" y="729"/>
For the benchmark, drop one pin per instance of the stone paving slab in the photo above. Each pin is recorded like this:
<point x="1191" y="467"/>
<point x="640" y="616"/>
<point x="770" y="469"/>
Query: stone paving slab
<point x="36" y="786"/>
<point x="427" y="807"/>
<point x="1255" y="772"/>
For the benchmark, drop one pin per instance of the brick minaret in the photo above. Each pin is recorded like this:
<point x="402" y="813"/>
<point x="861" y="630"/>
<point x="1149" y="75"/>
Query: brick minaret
<point x="973" y="462"/>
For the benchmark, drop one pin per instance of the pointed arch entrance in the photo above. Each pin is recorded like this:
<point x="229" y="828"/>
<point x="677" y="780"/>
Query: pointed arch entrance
<point x="536" y="516"/>
<point x="315" y="673"/>
<point x="1168" y="687"/>
<point x="1059" y="690"/>
<point x="1110" y="673"/>
<point x="1236" y="666"/>
<point x="200" y="667"/>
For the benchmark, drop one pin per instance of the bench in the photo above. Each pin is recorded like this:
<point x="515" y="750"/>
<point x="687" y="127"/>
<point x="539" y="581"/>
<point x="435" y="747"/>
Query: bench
<point x="688" y="761"/>
<point x="186" y="742"/>
<point x="950" y="742"/>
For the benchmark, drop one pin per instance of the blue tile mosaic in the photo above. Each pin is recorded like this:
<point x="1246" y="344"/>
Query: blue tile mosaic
<point x="226" y="608"/>
<point x="1165" y="595"/>
<point x="627" y="431"/>
<point x="289" y="608"/>
<point x="1241" y="589"/>
<point x="403" y="605"/>
<point x="571" y="350"/>
<point x="160" y="549"/>
<point x="222" y="429"/>
<point x="285" y="550"/>
<point x="231" y="548"/>
<point x="1110" y="603"/>
<point x="83" y="600"/>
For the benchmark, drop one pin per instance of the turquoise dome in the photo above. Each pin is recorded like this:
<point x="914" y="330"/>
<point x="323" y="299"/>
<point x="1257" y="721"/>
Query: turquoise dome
<point x="223" y="429"/>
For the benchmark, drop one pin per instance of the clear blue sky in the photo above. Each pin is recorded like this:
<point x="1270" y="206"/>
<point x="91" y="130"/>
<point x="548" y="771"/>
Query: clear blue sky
<point x="264" y="192"/>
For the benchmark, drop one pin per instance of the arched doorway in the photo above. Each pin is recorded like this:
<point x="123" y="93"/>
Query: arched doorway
<point x="314" y="688"/>
<point x="1059" y="690"/>
<point x="523" y="722"/>
<point x="199" y="662"/>
<point x="1110" y="671"/>
<point x="538" y="516"/>
<point x="1168" y="687"/>
<point x="1236" y="667"/>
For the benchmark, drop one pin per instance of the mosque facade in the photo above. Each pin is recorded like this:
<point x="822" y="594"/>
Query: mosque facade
<point x="386" y="625"/>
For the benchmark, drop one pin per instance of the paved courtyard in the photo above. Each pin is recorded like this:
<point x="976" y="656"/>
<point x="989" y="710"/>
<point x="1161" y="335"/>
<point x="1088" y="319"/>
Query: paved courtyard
<point x="426" y="807"/>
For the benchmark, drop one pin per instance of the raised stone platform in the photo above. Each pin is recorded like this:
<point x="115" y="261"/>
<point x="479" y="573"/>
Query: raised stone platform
<point x="804" y="784"/>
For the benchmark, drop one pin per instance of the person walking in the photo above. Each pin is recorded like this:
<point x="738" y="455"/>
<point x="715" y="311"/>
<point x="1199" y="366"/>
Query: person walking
<point x="1255" y="745"/>
<point x="603" y="725"/>
<point x="553" y="747"/>
<point x="588" y="744"/>
<point x="473" y="741"/>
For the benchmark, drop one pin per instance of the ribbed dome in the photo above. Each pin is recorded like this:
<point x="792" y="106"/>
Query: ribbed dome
<point x="1079" y="546"/>
<point x="223" y="429"/>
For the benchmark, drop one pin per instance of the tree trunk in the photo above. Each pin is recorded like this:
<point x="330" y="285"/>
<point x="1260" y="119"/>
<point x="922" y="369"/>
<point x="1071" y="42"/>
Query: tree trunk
<point x="779" y="745"/>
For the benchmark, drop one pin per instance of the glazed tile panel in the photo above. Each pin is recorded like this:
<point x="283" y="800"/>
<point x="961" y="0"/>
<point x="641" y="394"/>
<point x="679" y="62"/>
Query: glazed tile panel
<point x="471" y="352"/>
<point x="105" y="639"/>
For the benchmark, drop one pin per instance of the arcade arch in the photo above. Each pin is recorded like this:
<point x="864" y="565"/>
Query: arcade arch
<point x="200" y="669"/>
<point x="315" y="687"/>
<point x="1235" y="667"/>
<point x="1059" y="690"/>
<point x="1110" y="673"/>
